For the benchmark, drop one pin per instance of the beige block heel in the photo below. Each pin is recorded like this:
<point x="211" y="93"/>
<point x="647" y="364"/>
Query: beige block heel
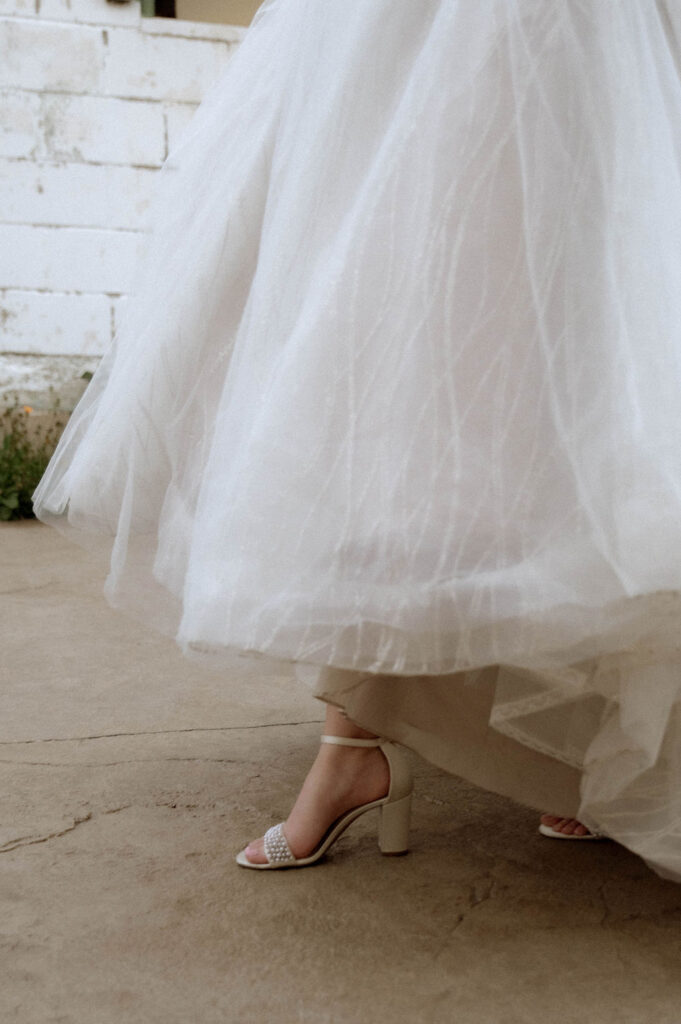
<point x="393" y="830"/>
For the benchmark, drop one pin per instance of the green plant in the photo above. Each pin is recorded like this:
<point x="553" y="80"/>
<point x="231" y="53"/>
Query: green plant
<point x="26" y="446"/>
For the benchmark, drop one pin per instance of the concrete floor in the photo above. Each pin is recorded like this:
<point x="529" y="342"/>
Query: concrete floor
<point x="130" y="779"/>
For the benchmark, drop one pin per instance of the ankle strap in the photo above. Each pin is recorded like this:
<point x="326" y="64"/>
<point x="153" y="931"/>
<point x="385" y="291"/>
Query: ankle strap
<point x="347" y="741"/>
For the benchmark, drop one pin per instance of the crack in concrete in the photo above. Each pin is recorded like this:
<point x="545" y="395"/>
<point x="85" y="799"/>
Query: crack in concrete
<point x="161" y="732"/>
<point x="27" y="588"/>
<point x="14" y="844"/>
<point x="606" y="909"/>
<point x="115" y="764"/>
<point x="476" y="896"/>
<point x="488" y="892"/>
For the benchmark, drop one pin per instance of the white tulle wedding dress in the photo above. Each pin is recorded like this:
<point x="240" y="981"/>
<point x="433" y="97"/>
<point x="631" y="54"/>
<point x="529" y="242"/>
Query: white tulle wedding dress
<point x="399" y="399"/>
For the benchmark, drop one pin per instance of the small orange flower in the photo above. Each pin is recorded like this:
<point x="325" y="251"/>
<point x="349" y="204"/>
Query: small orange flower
<point x="28" y="408"/>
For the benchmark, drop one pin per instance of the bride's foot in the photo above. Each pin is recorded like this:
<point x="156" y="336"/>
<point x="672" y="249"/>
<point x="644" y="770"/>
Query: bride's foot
<point x="567" y="826"/>
<point x="340" y="779"/>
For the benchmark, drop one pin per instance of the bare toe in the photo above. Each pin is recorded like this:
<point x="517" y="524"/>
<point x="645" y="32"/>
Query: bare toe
<point x="573" y="827"/>
<point x="568" y="826"/>
<point x="255" y="852"/>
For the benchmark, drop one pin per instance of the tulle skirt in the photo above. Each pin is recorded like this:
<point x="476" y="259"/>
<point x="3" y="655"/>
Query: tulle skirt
<point x="399" y="398"/>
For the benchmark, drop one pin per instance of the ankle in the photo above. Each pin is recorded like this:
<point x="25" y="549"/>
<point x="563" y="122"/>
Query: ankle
<point x="339" y="758"/>
<point x="338" y="724"/>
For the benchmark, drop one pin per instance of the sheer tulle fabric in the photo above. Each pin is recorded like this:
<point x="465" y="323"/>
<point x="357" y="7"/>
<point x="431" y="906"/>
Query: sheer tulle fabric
<point x="401" y="390"/>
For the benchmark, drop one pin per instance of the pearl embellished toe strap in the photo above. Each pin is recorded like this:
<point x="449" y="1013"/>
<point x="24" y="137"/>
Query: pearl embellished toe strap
<point x="277" y="849"/>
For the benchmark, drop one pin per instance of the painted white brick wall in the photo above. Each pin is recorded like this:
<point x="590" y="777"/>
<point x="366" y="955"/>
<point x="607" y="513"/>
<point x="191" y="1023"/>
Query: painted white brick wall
<point x="91" y="97"/>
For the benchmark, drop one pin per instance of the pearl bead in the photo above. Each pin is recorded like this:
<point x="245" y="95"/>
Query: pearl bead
<point x="277" y="849"/>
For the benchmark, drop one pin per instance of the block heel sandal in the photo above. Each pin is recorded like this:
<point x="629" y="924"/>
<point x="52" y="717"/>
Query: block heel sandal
<point x="394" y="809"/>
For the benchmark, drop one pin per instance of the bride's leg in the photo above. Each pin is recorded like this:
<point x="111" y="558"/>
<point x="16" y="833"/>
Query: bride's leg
<point x="340" y="778"/>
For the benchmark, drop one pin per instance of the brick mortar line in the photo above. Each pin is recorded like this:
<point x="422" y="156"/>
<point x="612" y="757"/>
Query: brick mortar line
<point x="51" y="356"/>
<point x="56" y="292"/>
<point x="68" y="227"/>
<point x="100" y="26"/>
<point x="47" y="163"/>
<point x="81" y="163"/>
<point x="19" y="90"/>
